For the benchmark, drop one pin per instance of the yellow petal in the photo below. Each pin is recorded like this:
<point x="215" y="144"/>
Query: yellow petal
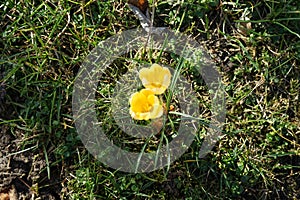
<point x="156" y="78"/>
<point x="145" y="105"/>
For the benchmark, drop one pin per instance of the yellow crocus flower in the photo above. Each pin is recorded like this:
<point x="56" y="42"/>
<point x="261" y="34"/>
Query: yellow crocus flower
<point x="144" y="105"/>
<point x="156" y="78"/>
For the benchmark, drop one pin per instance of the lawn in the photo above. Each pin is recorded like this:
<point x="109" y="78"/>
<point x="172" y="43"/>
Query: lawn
<point x="255" y="46"/>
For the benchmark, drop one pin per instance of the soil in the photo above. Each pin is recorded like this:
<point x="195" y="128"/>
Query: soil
<point x="22" y="173"/>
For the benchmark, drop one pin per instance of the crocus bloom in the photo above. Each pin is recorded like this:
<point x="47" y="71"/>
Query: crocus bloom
<point x="145" y="105"/>
<point x="156" y="78"/>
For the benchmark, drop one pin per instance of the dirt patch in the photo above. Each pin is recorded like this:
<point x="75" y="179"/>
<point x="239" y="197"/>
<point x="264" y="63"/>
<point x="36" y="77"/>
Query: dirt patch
<point x="23" y="174"/>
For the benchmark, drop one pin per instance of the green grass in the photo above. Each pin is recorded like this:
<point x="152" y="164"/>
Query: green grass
<point x="256" y="47"/>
